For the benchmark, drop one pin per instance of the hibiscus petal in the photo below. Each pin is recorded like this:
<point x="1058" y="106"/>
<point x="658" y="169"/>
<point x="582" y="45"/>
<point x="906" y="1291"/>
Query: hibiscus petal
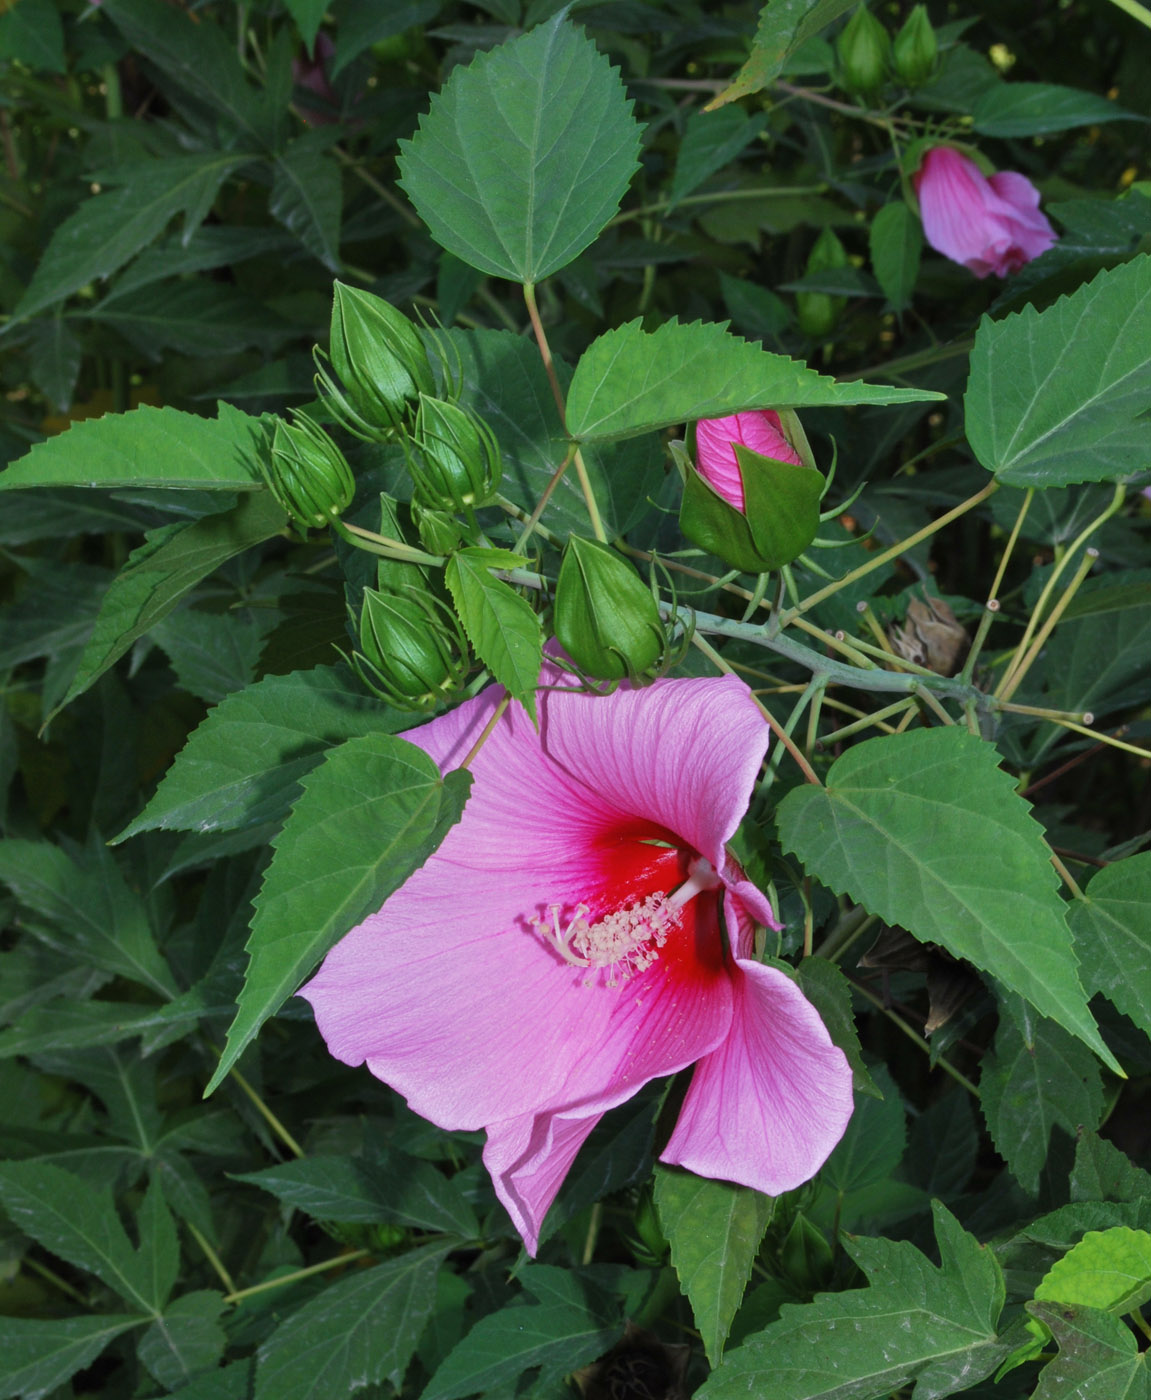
<point x="528" y="1159"/>
<point x="766" y="1108"/>
<point x="684" y="754"/>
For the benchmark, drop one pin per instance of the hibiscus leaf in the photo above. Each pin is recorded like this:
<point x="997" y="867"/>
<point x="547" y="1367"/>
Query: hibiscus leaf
<point x="1112" y="929"/>
<point x="171" y="561"/>
<point x="37" y="1357"/>
<point x="525" y="154"/>
<point x="369" y="815"/>
<point x="916" y="1320"/>
<point x="714" y="1229"/>
<point x="501" y="1347"/>
<point x="359" y="1331"/>
<point x="1098" y="1359"/>
<point x="784" y="27"/>
<point x="186" y="1340"/>
<point x="242" y="767"/>
<point x="1037" y="1077"/>
<point x="148" y="447"/>
<point x="1060" y="395"/>
<point x="926" y="831"/>
<point x="357" y="1191"/>
<point x="501" y="625"/>
<point x="631" y="381"/>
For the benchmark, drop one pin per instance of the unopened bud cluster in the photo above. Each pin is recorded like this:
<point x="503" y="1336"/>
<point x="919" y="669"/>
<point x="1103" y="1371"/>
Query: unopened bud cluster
<point x="868" y="58"/>
<point x="411" y="650"/>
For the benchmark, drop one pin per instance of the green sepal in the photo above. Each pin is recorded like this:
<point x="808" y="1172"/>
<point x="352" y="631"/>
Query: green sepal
<point x="782" y="513"/>
<point x="605" y="616"/>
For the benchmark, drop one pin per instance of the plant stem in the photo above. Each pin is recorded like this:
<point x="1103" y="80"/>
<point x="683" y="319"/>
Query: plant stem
<point x="1009" y="548"/>
<point x="897" y="1020"/>
<point x="878" y="560"/>
<point x="491" y="724"/>
<point x="922" y="693"/>
<point x="557" y="394"/>
<point x="866" y="722"/>
<point x="54" y="1279"/>
<point x="384" y="545"/>
<point x="268" y="1116"/>
<point x="718" y="197"/>
<point x="296" y="1275"/>
<point x="1010" y="684"/>
<point x="1136" y="11"/>
<point x="988" y="616"/>
<point x="1049" y="588"/>
<point x="1066" y="877"/>
<point x="213" y="1258"/>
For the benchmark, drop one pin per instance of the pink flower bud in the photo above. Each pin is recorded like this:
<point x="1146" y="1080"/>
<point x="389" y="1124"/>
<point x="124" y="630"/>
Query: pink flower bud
<point x="715" y="442"/>
<point x="988" y="225"/>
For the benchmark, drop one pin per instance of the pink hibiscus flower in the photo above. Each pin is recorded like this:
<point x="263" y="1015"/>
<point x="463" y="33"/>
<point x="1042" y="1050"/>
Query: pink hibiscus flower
<point x="564" y="946"/>
<point x="988" y="225"/>
<point x="715" y="440"/>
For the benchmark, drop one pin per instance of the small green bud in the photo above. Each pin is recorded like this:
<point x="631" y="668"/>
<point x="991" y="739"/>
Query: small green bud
<point x="440" y="533"/>
<point x="308" y="474"/>
<point x="864" y="51"/>
<point x="916" y="49"/>
<point x="819" y="312"/>
<point x="412" y="652"/>
<point x="605" y="616"/>
<point x="380" y="359"/>
<point x="454" y="457"/>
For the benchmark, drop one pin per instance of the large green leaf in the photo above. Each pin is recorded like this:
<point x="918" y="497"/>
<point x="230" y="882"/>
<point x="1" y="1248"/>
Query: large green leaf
<point x="632" y="381"/>
<point x="108" y="229"/>
<point x="896" y="242"/>
<point x="242" y="767"/>
<point x="77" y="1221"/>
<point x="1060" y="395"/>
<point x="32" y="33"/>
<point x="784" y="26"/>
<point x="1108" y="1269"/>
<point x="1099" y="1358"/>
<point x="369" y="815"/>
<point x="1030" y="109"/>
<point x="37" y="1357"/>
<point x="148" y="447"/>
<point x="558" y="1338"/>
<point x="916" y="1321"/>
<point x="77" y="900"/>
<point x="714" y="1229"/>
<point x="1037" y="1077"/>
<point x="501" y="625"/>
<point x="926" y="831"/>
<point x="193" y="317"/>
<point x="1112" y="929"/>
<point x="355" y="1190"/>
<point x="524" y="155"/>
<point x="172" y="561"/>
<point x="359" y="1331"/>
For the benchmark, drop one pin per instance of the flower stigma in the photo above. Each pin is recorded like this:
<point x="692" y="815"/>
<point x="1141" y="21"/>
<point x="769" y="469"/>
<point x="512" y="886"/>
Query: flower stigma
<point x="627" y="940"/>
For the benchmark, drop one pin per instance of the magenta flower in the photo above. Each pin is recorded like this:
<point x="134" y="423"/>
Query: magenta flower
<point x="715" y="440"/>
<point x="564" y="946"/>
<point x="988" y="225"/>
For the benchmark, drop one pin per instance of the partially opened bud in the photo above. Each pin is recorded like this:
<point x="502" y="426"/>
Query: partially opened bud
<point x="863" y="48"/>
<point x="715" y="442"/>
<point x="916" y="48"/>
<point x="605" y="616"/>
<point x="380" y="359"/>
<point x="308" y="474"/>
<point x="411" y="650"/>
<point x="454" y="457"/>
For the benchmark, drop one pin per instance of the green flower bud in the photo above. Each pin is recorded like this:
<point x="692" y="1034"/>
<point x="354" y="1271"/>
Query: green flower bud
<point x="308" y="474"/>
<point x="380" y="359"/>
<point x="864" y="50"/>
<point x="605" y="616"/>
<point x="916" y="49"/>
<point x="819" y="312"/>
<point x="412" y="652"/>
<point x="440" y="533"/>
<point x="806" y="1256"/>
<point x="454" y="457"/>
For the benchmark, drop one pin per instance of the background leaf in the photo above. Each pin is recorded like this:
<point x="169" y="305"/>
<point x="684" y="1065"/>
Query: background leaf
<point x="1112" y="929"/>
<point x="1032" y="109"/>
<point x="714" y="1230"/>
<point x="1060" y="395"/>
<point x="925" y="830"/>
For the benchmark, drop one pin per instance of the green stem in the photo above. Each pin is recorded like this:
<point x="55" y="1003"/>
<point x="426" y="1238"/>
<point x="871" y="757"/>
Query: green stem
<point x="212" y="1257"/>
<point x="867" y="722"/>
<point x="892" y="369"/>
<point x="385" y="546"/>
<point x="990" y="613"/>
<point x="54" y="1279"/>
<point x="1049" y="588"/>
<point x="268" y="1116"/>
<point x="533" y="519"/>
<point x="1011" y="683"/>
<point x="849" y="928"/>
<point x="932" y="703"/>
<point x="1066" y="877"/>
<point x="897" y="1020"/>
<point x="878" y="560"/>
<point x="296" y="1275"/>
<point x="718" y="197"/>
<point x="1009" y="548"/>
<point x="1143" y="15"/>
<point x="487" y="730"/>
